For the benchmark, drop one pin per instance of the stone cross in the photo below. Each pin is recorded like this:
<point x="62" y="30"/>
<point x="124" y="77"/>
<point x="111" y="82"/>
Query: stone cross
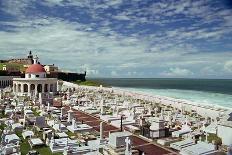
<point x="52" y="139"/>
<point x="102" y="107"/>
<point x="17" y="143"/>
<point x="24" y="120"/>
<point x="117" y="111"/>
<point x="229" y="150"/>
<point x="128" y="142"/>
<point x="73" y="123"/>
<point x="156" y="110"/>
<point x="206" y="137"/>
<point x="66" y="142"/>
<point x="62" y="112"/>
<point x="11" y="116"/>
<point x="186" y="120"/>
<point x="59" y="125"/>
<point x="70" y="115"/>
<point x="48" y="108"/>
<point x="101" y="131"/>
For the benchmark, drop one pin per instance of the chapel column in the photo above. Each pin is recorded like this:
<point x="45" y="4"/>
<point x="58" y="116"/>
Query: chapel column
<point x="36" y="89"/>
<point x="14" y="85"/>
<point x="12" y="88"/>
<point x="17" y="88"/>
<point x="29" y="89"/>
<point x="43" y="85"/>
<point x="48" y="88"/>
<point x="22" y="87"/>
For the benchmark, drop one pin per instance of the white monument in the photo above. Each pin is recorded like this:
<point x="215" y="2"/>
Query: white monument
<point x="35" y="81"/>
<point x="70" y="115"/>
<point x="128" y="146"/>
<point x="101" y="131"/>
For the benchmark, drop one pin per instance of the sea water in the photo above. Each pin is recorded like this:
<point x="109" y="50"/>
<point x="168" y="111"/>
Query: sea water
<point x="202" y="91"/>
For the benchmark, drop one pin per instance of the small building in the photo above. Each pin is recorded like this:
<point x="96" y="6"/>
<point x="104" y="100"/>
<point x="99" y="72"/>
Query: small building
<point x="17" y="127"/>
<point x="27" y="134"/>
<point x="74" y="127"/>
<point x="10" y="149"/>
<point x="35" y="81"/>
<point x="62" y="135"/>
<point x="35" y="142"/>
<point x="184" y="130"/>
<point x="125" y="122"/>
<point x="201" y="148"/>
<point x="57" y="126"/>
<point x="10" y="138"/>
<point x="119" y="144"/>
<point x="45" y="98"/>
<point x="41" y="123"/>
<point x="224" y="128"/>
<point x="50" y="68"/>
<point x="182" y="144"/>
<point x="6" y="81"/>
<point x="59" y="145"/>
<point x="117" y="139"/>
<point x="211" y="128"/>
<point x="157" y="128"/>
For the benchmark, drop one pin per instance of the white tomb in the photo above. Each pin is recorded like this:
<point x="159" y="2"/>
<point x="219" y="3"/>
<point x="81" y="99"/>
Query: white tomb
<point x="117" y="139"/>
<point x="74" y="127"/>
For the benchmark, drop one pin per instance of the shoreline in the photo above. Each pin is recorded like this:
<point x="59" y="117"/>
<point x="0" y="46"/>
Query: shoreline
<point x="178" y="98"/>
<point x="212" y="111"/>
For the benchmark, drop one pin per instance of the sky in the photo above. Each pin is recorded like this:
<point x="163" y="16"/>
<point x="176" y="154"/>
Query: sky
<point x="122" y="38"/>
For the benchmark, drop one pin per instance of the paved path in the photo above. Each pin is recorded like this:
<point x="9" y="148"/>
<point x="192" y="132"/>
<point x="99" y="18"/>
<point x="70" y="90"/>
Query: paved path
<point x="139" y="143"/>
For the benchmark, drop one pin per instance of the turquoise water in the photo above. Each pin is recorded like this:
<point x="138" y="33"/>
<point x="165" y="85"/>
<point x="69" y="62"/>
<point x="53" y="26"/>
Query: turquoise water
<point x="203" y="91"/>
<point x="200" y="97"/>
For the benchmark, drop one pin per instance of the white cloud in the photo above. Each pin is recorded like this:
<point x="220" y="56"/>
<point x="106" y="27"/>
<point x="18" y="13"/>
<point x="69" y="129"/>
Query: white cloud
<point x="177" y="72"/>
<point x="114" y="73"/>
<point x="228" y="66"/>
<point x="121" y="17"/>
<point x="16" y="8"/>
<point x="99" y="48"/>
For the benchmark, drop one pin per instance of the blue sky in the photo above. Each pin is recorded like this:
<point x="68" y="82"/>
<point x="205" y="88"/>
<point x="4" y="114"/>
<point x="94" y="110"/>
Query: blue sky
<point x="122" y="38"/>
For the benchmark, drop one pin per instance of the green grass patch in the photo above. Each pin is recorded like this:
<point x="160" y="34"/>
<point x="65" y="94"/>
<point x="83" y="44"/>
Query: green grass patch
<point x="25" y="146"/>
<point x="2" y="126"/>
<point x="36" y="113"/>
<point x="46" y="151"/>
<point x="2" y="114"/>
<point x="90" y="83"/>
<point x="13" y="65"/>
<point x="70" y="134"/>
<point x="212" y="137"/>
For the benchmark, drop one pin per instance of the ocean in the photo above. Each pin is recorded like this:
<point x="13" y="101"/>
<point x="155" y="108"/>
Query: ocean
<point x="203" y="91"/>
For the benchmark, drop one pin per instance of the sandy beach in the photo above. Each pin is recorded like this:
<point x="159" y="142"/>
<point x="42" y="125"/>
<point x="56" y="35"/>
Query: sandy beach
<point x="212" y="111"/>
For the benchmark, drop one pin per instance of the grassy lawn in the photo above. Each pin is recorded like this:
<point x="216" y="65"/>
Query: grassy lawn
<point x="2" y="114"/>
<point x="25" y="147"/>
<point x="70" y="134"/>
<point x="2" y="126"/>
<point x="90" y="83"/>
<point x="15" y="65"/>
<point x="46" y="151"/>
<point x="212" y="137"/>
<point x="35" y="112"/>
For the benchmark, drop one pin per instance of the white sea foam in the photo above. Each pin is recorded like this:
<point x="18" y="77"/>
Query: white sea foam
<point x="200" y="97"/>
